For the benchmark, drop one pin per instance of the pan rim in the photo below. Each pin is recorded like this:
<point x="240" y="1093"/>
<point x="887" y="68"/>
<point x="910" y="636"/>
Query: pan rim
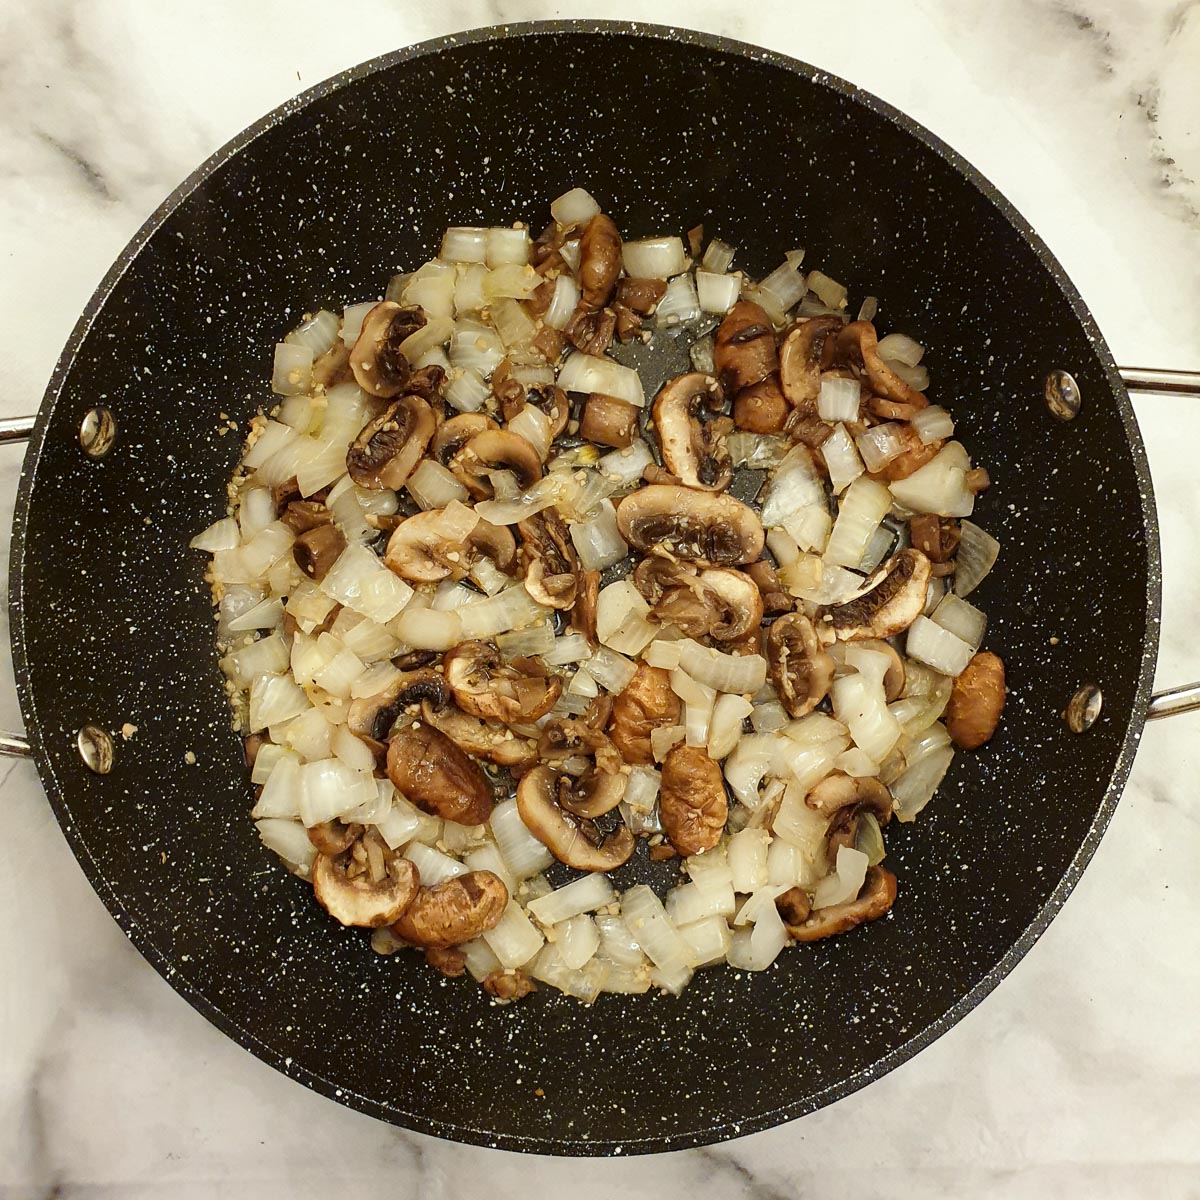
<point x="575" y="1146"/>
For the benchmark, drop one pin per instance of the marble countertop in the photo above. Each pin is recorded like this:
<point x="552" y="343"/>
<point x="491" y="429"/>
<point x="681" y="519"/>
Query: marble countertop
<point x="1080" y="1075"/>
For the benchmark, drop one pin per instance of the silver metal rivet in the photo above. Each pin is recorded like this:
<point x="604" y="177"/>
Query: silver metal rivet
<point x="1062" y="395"/>
<point x="95" y="747"/>
<point x="1084" y="708"/>
<point x="97" y="432"/>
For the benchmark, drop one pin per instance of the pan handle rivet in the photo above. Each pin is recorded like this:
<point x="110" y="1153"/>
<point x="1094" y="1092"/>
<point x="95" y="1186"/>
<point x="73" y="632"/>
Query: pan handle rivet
<point x="1084" y="708"/>
<point x="97" y="432"/>
<point x="95" y="747"/>
<point x="1062" y="395"/>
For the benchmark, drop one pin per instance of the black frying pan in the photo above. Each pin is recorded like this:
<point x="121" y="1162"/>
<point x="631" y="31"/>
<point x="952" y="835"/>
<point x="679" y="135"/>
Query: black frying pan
<point x="318" y="204"/>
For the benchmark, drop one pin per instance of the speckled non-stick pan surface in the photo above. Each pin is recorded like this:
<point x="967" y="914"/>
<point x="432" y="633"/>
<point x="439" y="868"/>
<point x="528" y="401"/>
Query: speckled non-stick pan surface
<point x="317" y="205"/>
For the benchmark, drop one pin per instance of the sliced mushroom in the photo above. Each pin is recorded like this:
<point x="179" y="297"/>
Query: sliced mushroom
<point x="508" y="985"/>
<point x="858" y="343"/>
<point x="775" y="597"/>
<point x="334" y="838"/>
<point x="976" y="701"/>
<point x="806" y="351"/>
<point x="646" y="704"/>
<point x="453" y="911"/>
<point x="454" y="434"/>
<point x="567" y="737"/>
<point x="378" y="365"/>
<point x="420" y="551"/>
<point x="554" y="403"/>
<point x="592" y="794"/>
<point x="904" y="465"/>
<point x="551" y="563"/>
<point x="891" y="606"/>
<point x="574" y="841"/>
<point x="691" y="802"/>
<point x="476" y="736"/>
<point x="359" y="900"/>
<point x="583" y="614"/>
<point x="484" y="685"/>
<point x="591" y="330"/>
<point x="693" y="447"/>
<point x="744" y="350"/>
<point x="608" y="421"/>
<point x="936" y="537"/>
<point x="736" y="603"/>
<point x="877" y="895"/>
<point x="800" y="668"/>
<point x="370" y="718"/>
<point x="492" y="541"/>
<point x="316" y="550"/>
<point x="762" y="407"/>
<point x="654" y="576"/>
<point x="508" y="389"/>
<point x="388" y="449"/>
<point x="794" y="906"/>
<point x="447" y="960"/>
<point x="705" y="527"/>
<point x="302" y="515"/>
<point x="492" y="450"/>
<point x="599" y="260"/>
<point x="636" y="299"/>
<point x="838" y="791"/>
<point x="431" y="771"/>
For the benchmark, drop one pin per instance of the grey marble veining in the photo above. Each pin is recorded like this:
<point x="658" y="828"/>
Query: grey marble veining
<point x="1080" y="1075"/>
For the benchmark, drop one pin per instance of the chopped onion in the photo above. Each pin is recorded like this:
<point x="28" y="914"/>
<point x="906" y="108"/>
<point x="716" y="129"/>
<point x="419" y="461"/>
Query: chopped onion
<point x="523" y="853"/>
<point x="720" y="671"/>
<point x="679" y="304"/>
<point x="433" y="486"/>
<point x="464" y="243"/>
<point x="747" y="853"/>
<point x="220" y="535"/>
<point x="977" y="554"/>
<point x="266" y="614"/>
<point x="256" y="511"/>
<point x="641" y="791"/>
<point x="858" y="764"/>
<point x="584" y="984"/>
<point x="804" y="828"/>
<point x="548" y="490"/>
<point x="562" y="302"/>
<point x="468" y="289"/>
<point x="291" y="374"/>
<point x="700" y="353"/>
<point x="435" y="332"/>
<point x="575" y="207"/>
<point x="663" y="738"/>
<point x="288" y="839"/>
<point x="838" y="398"/>
<point x="796" y="484"/>
<point x="475" y="346"/>
<point x="717" y="293"/>
<point x="755" y="949"/>
<point x="626" y="465"/>
<point x="428" y="629"/>
<point x="783" y="546"/>
<point x="708" y="940"/>
<point x="864" y="505"/>
<point x="330" y="789"/>
<point x="569" y="648"/>
<point x="674" y="980"/>
<point x="431" y="288"/>
<point x="937" y="647"/>
<point x="768" y="302"/>
<point x="513" y="323"/>
<point x="274" y="699"/>
<point x="756" y="450"/>
<point x="536" y="640"/>
<point x="787" y="865"/>
<point x="754" y="757"/>
<point x="512" y="608"/>
<point x="725" y="728"/>
<point x="883" y="542"/>
<point x="534" y="426"/>
<point x="916" y="377"/>
<point x="433" y="867"/>
<point x="842" y="459"/>
<point x="360" y="581"/>
<point x="869" y="839"/>
<point x="652" y="930"/>
<point x="933" y="424"/>
<point x="810" y="528"/>
<point x="881" y="443"/>
<point x="860" y="704"/>
<point x="273" y="438"/>
<point x="280" y="796"/>
<point x="353" y="316"/>
<point x="927" y="764"/>
<point x="654" y="258"/>
<point x="487" y="576"/>
<point x="612" y="671"/>
<point x="786" y="284"/>
<point x="688" y="903"/>
<point x="515" y="939"/>
<point x="963" y="620"/>
<point x="939" y="486"/>
<point x="318" y="333"/>
<point x="598" y="541"/>
<point x="587" y="373"/>
<point x="577" y="939"/>
<point x="899" y="347"/>
<point x="868" y="309"/>
<point x="300" y="413"/>
<point x="661" y="653"/>
<point x="718" y="256"/>
<point x="621" y="614"/>
<point x="831" y="293"/>
<point x="767" y="718"/>
<point x="845" y="884"/>
<point x="512" y="281"/>
<point x="488" y="858"/>
<point x="582" y="895"/>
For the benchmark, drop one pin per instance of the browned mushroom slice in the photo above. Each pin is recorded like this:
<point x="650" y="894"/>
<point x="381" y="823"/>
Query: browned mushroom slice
<point x="592" y="794"/>
<point x="735" y="601"/>
<point x="976" y="701"/>
<point x="839" y="791"/>
<point x="302" y="515"/>
<point x="427" y="548"/>
<point x="859" y="344"/>
<point x="608" y="421"/>
<point x="891" y="606"/>
<point x="316" y="550"/>
<point x="794" y="906"/>
<point x="508" y="389"/>
<point x="691" y="804"/>
<point x="492" y="450"/>
<point x="878" y="894"/>
<point x="388" y="449"/>
<point x="653" y="576"/>
<point x="484" y="685"/>
<point x="507" y="985"/>
<point x="599" y="260"/>
<point x="775" y="597"/>
<point x="334" y="838"/>
<point x="800" y="668"/>
<point x="646" y="704"/>
<point x="704" y="527"/>
<point x="370" y="718"/>
<point x="551" y="564"/>
<point x="378" y="365"/>
<point x="583" y="615"/>
<point x="641" y="296"/>
<point x="806" y="351"/>
<point x="591" y="330"/>
<point x="693" y="445"/>
<point x="744" y="349"/>
<point x="361" y="900"/>
<point x="431" y="771"/>
<point x="496" y="743"/>
<point x="762" y="407"/>
<point x="453" y="911"/>
<point x="572" y="840"/>
<point x="454" y="434"/>
<point x="447" y="960"/>
<point x="936" y="537"/>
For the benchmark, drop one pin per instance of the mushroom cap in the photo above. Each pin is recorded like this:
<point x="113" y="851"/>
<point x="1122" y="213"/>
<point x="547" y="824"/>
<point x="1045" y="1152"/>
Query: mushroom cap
<point x="806" y="351"/>
<point x="654" y="575"/>
<point x="334" y="838"/>
<point x="454" y="434"/>
<point x="890" y="606"/>
<point x="800" y="667"/>
<point x="379" y="367"/>
<point x="486" y="686"/>
<point x="318" y="548"/>
<point x="370" y="718"/>
<point x="571" y="840"/>
<point x="762" y="407"/>
<point x="976" y="701"/>
<point x="646" y="704"/>
<point x="609" y="421"/>
<point x="491" y="450"/>
<point x="551" y="563"/>
<point x="453" y="911"/>
<point x="474" y="735"/>
<point x="599" y="260"/>
<point x="839" y="791"/>
<point x="387" y="449"/>
<point x="877" y="895"/>
<point x="358" y="901"/>
<point x="592" y="795"/>
<point x="419" y="549"/>
<point x="705" y="527"/>
<point x="744" y="350"/>
<point x="437" y="776"/>
<point x="693" y="450"/>
<point x="692" y="805"/>
<point x="583" y="614"/>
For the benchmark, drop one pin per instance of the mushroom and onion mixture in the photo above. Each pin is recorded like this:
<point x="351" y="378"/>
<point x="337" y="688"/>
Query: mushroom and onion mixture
<point x="485" y="606"/>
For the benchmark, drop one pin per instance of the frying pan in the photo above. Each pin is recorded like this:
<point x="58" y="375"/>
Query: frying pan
<point x="316" y="205"/>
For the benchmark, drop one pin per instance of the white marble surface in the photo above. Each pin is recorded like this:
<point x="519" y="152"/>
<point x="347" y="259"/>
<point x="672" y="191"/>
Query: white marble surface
<point x="1080" y="1075"/>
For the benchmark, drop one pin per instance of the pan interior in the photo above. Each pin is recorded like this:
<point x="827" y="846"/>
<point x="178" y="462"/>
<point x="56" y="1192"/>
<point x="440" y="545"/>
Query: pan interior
<point x="317" y="208"/>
